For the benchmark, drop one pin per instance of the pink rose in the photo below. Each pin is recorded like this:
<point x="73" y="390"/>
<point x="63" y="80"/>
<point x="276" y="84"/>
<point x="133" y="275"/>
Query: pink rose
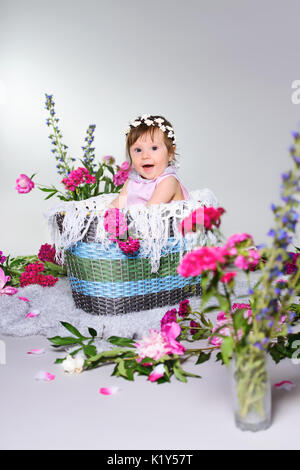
<point x="24" y="184"/>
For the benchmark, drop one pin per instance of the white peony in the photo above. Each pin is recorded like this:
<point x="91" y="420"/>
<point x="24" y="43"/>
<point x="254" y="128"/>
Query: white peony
<point x="72" y="365"/>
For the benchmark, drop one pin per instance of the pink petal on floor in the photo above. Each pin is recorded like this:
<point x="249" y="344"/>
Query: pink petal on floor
<point x="108" y="390"/>
<point x="45" y="376"/>
<point x="36" y="351"/>
<point x="286" y="384"/>
<point x="32" y="314"/>
<point x="24" y="298"/>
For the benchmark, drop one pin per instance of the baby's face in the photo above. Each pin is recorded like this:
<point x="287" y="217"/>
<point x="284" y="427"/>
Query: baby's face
<point x="146" y="151"/>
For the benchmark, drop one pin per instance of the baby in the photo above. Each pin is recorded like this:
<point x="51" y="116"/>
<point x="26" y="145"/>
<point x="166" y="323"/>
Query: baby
<point x="150" y="147"/>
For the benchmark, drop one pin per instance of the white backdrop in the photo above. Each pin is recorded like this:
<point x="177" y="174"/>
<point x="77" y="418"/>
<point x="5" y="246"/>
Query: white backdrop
<point x="220" y="71"/>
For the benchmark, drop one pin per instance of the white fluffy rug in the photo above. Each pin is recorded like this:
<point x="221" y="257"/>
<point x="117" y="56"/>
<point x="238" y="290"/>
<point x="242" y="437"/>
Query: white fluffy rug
<point x="56" y="304"/>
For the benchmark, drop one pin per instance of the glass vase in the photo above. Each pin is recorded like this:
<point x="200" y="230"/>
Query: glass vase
<point x="251" y="389"/>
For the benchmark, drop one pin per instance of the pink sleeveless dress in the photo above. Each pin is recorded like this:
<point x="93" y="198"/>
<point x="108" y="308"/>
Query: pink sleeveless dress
<point x="140" y="190"/>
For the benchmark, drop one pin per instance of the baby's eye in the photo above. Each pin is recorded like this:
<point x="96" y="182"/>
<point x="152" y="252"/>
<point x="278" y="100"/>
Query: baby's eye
<point x="154" y="147"/>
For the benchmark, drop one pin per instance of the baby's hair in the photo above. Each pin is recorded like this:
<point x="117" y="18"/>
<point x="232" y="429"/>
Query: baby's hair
<point x="142" y="129"/>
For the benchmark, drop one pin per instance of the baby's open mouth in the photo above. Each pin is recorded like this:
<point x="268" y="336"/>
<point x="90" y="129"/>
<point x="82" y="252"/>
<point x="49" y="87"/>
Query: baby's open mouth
<point x="148" y="166"/>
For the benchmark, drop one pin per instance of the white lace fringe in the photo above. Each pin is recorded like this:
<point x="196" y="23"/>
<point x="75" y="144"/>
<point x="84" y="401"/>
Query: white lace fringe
<point x="151" y="224"/>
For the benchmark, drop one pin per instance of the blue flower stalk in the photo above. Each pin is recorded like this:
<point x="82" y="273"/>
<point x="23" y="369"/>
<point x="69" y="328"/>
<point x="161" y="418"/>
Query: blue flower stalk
<point x="64" y="165"/>
<point x="89" y="156"/>
<point x="271" y="299"/>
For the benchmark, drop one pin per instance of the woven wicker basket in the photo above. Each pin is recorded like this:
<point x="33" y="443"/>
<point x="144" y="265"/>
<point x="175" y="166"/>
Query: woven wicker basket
<point x="107" y="281"/>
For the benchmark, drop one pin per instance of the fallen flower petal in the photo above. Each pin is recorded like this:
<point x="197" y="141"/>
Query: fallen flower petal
<point x="36" y="351"/>
<point x="44" y="376"/>
<point x="108" y="390"/>
<point x="32" y="314"/>
<point x="285" y="384"/>
<point x="24" y="298"/>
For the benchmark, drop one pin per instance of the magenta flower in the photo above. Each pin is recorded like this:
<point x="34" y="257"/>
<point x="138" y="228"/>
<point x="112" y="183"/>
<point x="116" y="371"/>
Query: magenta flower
<point x="120" y="177"/>
<point x="2" y="257"/>
<point x="184" y="308"/>
<point x="125" y="166"/>
<point x="242" y="262"/>
<point x="129" y="246"/>
<point x="169" y="316"/>
<point x="202" y="259"/>
<point x="80" y="176"/>
<point x="115" y="222"/>
<point x="24" y="184"/>
<point x="194" y="325"/>
<point x="47" y="253"/>
<point x="238" y="238"/>
<point x="248" y="262"/>
<point x="228" y="276"/>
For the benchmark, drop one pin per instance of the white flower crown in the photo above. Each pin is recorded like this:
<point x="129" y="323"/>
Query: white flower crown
<point x="151" y="121"/>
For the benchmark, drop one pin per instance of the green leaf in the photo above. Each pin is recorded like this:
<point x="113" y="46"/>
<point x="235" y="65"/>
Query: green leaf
<point x="219" y="358"/>
<point x="178" y="372"/>
<point x="73" y="330"/>
<point x="227" y="349"/>
<point x="50" y="195"/>
<point x="224" y="304"/>
<point x="113" y="353"/>
<point x="47" y="190"/>
<point x="90" y="350"/>
<point x="119" y="341"/>
<point x="203" y="357"/>
<point x="63" y="340"/>
<point x="59" y="361"/>
<point x="92" y="332"/>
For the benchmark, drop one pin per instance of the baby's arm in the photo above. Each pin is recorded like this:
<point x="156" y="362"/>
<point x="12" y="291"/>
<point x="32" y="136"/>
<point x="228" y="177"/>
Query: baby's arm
<point x="121" y="200"/>
<point x="164" y="191"/>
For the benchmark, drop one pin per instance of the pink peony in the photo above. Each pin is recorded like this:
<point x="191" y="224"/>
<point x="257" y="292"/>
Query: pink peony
<point x="171" y="331"/>
<point x="154" y="345"/>
<point x="6" y="290"/>
<point x="120" y="177"/>
<point x="24" y="184"/>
